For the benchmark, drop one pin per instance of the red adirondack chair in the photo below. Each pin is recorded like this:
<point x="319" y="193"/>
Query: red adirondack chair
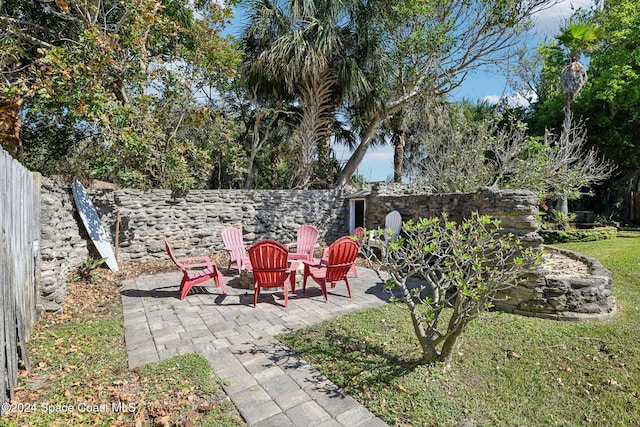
<point x="358" y="237"/>
<point x="195" y="270"/>
<point x="341" y="256"/>
<point x="234" y="245"/>
<point x="305" y="244"/>
<point x="270" y="267"/>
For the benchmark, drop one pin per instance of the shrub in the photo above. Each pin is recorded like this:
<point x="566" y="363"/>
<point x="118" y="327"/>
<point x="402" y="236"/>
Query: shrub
<point x="578" y="235"/>
<point x="464" y="265"/>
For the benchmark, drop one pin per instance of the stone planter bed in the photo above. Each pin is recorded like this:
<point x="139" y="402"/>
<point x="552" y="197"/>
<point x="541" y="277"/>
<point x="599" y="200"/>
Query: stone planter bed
<point x="567" y="286"/>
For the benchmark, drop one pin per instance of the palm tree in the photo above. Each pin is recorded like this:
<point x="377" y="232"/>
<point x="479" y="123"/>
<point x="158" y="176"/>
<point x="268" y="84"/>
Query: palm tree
<point x="579" y="38"/>
<point x="383" y="54"/>
<point x="394" y="132"/>
<point x="297" y="49"/>
<point x="398" y="140"/>
<point x="573" y="78"/>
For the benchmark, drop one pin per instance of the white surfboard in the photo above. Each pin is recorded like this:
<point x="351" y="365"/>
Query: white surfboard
<point x="93" y="225"/>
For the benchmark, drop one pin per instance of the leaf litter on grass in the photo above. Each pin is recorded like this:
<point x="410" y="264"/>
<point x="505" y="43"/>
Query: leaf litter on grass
<point x="79" y="373"/>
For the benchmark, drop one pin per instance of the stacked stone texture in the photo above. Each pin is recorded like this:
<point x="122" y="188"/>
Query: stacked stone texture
<point x="62" y="247"/>
<point x="562" y="296"/>
<point x="541" y="293"/>
<point x="516" y="209"/>
<point x="192" y="223"/>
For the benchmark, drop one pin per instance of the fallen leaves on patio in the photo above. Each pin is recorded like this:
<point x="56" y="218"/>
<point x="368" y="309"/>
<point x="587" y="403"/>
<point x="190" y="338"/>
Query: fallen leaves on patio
<point x="79" y="376"/>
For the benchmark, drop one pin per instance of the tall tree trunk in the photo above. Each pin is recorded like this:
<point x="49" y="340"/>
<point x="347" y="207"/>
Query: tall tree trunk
<point x="356" y="157"/>
<point x="258" y="140"/>
<point x="398" y="139"/>
<point x="562" y="204"/>
<point x="10" y="125"/>
<point x="429" y="353"/>
<point x="256" y="144"/>
<point x="248" y="184"/>
<point x="316" y="116"/>
<point x="323" y="173"/>
<point x="573" y="78"/>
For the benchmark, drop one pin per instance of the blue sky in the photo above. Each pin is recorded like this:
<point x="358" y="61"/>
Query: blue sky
<point x="491" y="86"/>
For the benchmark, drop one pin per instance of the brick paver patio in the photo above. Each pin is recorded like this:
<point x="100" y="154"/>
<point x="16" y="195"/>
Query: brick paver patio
<point x="267" y="382"/>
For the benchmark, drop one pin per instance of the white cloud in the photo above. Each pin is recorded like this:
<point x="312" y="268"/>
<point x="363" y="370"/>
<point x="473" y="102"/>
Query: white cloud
<point x="491" y="99"/>
<point x="512" y="100"/>
<point x="547" y="22"/>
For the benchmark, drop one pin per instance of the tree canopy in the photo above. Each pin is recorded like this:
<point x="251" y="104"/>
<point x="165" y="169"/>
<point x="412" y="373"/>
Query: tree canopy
<point x="149" y="93"/>
<point x="381" y="55"/>
<point x="460" y="148"/>
<point x="106" y="88"/>
<point x="609" y="102"/>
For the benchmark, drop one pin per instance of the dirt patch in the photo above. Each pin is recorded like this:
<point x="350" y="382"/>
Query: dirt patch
<point x="561" y="265"/>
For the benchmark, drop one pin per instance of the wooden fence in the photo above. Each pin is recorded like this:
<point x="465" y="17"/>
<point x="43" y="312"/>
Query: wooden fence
<point x="19" y="265"/>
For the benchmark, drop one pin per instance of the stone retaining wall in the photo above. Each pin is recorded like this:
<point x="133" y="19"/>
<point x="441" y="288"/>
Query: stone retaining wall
<point x="63" y="242"/>
<point x="516" y="209"/>
<point x="192" y="223"/>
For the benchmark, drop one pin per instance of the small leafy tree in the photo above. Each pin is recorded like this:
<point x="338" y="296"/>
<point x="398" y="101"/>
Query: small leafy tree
<point x="460" y="153"/>
<point x="466" y="266"/>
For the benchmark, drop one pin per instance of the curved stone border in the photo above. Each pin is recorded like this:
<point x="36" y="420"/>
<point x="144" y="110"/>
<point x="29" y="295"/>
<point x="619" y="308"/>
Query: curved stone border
<point x="563" y="297"/>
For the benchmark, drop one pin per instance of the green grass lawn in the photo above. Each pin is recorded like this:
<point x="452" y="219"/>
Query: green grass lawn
<point x="508" y="370"/>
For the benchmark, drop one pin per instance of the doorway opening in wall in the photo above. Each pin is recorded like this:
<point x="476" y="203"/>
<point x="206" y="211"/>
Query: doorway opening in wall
<point x="357" y="213"/>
